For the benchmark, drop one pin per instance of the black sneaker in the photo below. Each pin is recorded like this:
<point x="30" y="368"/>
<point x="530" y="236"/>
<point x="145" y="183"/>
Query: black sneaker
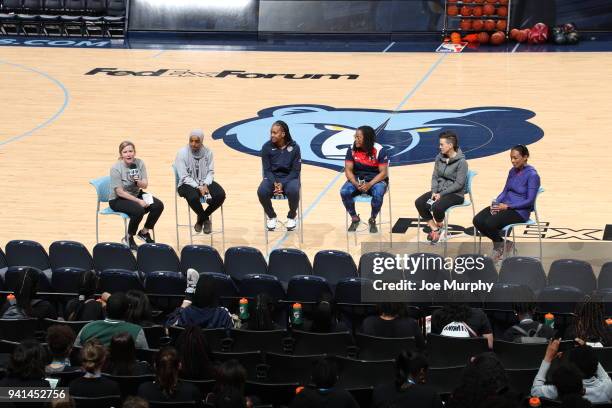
<point x="355" y="221"/>
<point x="373" y="227"/>
<point x="207" y="226"/>
<point x="130" y="243"/>
<point x="146" y="237"/>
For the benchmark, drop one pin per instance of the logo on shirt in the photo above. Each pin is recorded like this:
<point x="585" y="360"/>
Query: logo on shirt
<point x="324" y="133"/>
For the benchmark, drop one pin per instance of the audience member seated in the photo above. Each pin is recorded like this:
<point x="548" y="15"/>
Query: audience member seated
<point x="567" y="379"/>
<point x="86" y="307"/>
<point x="229" y="386"/>
<point x="122" y="357"/>
<point x="409" y="389"/>
<point x="261" y="317"/>
<point x="201" y="305"/>
<point x="195" y="355"/>
<point x="104" y="330"/>
<point x="483" y="379"/>
<point x="25" y="305"/>
<point x="390" y="324"/>
<point x="324" y="393"/>
<point x="60" y="339"/>
<point x="527" y="327"/>
<point x="135" y="402"/>
<point x="140" y="311"/>
<point x="26" y="366"/>
<point x="167" y="387"/>
<point x="589" y="324"/>
<point x="460" y="320"/>
<point x="92" y="384"/>
<point x="324" y="317"/>
<point x="596" y="382"/>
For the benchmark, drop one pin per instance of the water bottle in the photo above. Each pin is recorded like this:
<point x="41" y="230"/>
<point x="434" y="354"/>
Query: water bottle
<point x="297" y="314"/>
<point x="11" y="299"/>
<point x="549" y="320"/>
<point x="535" y="402"/>
<point x="244" y="309"/>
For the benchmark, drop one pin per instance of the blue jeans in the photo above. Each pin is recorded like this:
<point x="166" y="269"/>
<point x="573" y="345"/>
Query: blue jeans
<point x="348" y="191"/>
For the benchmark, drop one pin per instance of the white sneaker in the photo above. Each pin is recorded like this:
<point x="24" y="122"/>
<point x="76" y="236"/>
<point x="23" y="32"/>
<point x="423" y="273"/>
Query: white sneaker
<point x="192" y="280"/>
<point x="291" y="224"/>
<point x="271" y="224"/>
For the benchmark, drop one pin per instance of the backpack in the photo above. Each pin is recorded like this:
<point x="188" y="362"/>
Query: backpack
<point x="529" y="337"/>
<point x="458" y="329"/>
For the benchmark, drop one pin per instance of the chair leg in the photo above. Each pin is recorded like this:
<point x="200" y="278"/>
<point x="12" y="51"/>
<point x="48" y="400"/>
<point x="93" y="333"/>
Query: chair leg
<point x="127" y="237"/>
<point x="419" y="233"/>
<point x="446" y="216"/>
<point x="265" y="231"/>
<point x="97" y="222"/>
<point x="539" y="233"/>
<point x="301" y="215"/>
<point x="222" y="230"/>
<point x="390" y="218"/>
<point x="346" y="231"/>
<point x="513" y="243"/>
<point x="190" y="226"/>
<point x="380" y="225"/>
<point x="178" y="245"/>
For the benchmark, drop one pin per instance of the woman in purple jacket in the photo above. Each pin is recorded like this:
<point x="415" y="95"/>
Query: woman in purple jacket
<point x="513" y="205"/>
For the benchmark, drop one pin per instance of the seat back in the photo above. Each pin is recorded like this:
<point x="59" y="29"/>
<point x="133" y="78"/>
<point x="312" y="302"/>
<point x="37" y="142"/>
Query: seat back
<point x="74" y="5"/>
<point x="367" y="268"/>
<point x="252" y="285"/>
<point x="157" y="257"/>
<point x="604" y="280"/>
<point x="96" y="402"/>
<point x="519" y="355"/>
<point x="307" y="343"/>
<point x="470" y="179"/>
<point x="250" y="360"/>
<point x="32" y="6"/>
<point x="96" y="6"/>
<point x="242" y="260"/>
<point x="286" y="367"/>
<point x="76" y="326"/>
<point x="363" y="374"/>
<point x="27" y="253"/>
<point x="18" y="329"/>
<point x="572" y="272"/>
<point x="350" y="290"/>
<point x="444" y="379"/>
<point x="559" y="299"/>
<point x="524" y="271"/>
<point x="69" y="254"/>
<point x="214" y="337"/>
<point x="102" y="186"/>
<point x="252" y="340"/>
<point x="277" y="394"/>
<point x="3" y="263"/>
<point x="54" y="5"/>
<point x="202" y="258"/>
<point x="462" y="349"/>
<point x="67" y="280"/>
<point x="307" y="288"/>
<point x="116" y="8"/>
<point x="112" y="255"/>
<point x="288" y="262"/>
<point x="224" y="285"/>
<point x="334" y="266"/>
<point x="475" y="267"/>
<point x="503" y="295"/>
<point x="373" y="348"/>
<point x="14" y="275"/>
<point x="165" y="283"/>
<point x="128" y="384"/>
<point x="119" y="280"/>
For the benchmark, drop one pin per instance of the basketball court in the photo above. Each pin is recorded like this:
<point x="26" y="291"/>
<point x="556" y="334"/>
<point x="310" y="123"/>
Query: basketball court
<point x="65" y="111"/>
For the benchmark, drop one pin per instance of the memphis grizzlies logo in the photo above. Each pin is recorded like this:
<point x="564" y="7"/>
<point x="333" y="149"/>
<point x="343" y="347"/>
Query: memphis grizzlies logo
<point x="325" y="133"/>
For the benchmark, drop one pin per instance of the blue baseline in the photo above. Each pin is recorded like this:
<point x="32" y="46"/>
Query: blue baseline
<point x="337" y="176"/>
<point x="52" y="118"/>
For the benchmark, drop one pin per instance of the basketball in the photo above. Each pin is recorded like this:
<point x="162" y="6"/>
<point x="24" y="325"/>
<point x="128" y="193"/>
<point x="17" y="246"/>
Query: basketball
<point x="513" y="33"/>
<point x="477" y="25"/>
<point x="477" y="11"/>
<point x="502" y="11"/>
<point x="455" y="38"/>
<point x="489" y="25"/>
<point x="538" y="34"/>
<point x="488" y="10"/>
<point x="503" y="2"/>
<point x="466" y="25"/>
<point x="501" y="25"/>
<point x="466" y="11"/>
<point x="498" y="38"/>
<point x="452" y="10"/>
<point x="468" y="1"/>
<point x="483" y="37"/>
<point x="478" y="1"/>
<point x="521" y="36"/>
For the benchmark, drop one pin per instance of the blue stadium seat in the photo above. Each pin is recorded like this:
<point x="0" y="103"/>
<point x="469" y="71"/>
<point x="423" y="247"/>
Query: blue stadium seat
<point x="337" y="343"/>
<point x="18" y="329"/>
<point x="258" y="340"/>
<point x="254" y="284"/>
<point x="119" y="280"/>
<point x="14" y="276"/>
<point x="559" y="299"/>
<point x="112" y="255"/>
<point x="287" y="367"/>
<point x="202" y="258"/>
<point x="28" y="253"/>
<point x="503" y="295"/>
<point x="366" y="267"/>
<point x="453" y="351"/>
<point x="67" y="279"/>
<point x="307" y="288"/>
<point x="572" y="272"/>
<point x="3" y="263"/>
<point x="156" y="257"/>
<point x="334" y="266"/>
<point x="242" y="260"/>
<point x="284" y="263"/>
<point x="363" y="374"/>
<point x="488" y="273"/>
<point x="69" y="254"/>
<point x="349" y="290"/>
<point x="524" y="271"/>
<point x="165" y="283"/>
<point x="604" y="280"/>
<point x="224" y="285"/>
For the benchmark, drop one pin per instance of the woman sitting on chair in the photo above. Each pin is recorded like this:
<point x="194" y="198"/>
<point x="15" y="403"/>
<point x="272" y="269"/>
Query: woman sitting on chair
<point x="365" y="168"/>
<point x="448" y="186"/>
<point x="128" y="178"/>
<point x="513" y="205"/>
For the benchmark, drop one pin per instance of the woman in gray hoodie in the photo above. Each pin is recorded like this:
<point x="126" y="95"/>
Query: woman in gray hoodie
<point x="448" y="184"/>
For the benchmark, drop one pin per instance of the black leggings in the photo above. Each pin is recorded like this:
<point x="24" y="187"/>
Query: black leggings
<point x="490" y="225"/>
<point x="438" y="208"/>
<point x="192" y="195"/>
<point x="136" y="212"/>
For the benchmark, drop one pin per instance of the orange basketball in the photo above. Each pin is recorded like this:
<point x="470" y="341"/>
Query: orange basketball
<point x="502" y="11"/>
<point x="503" y="2"/>
<point x="489" y="25"/>
<point x="483" y="37"/>
<point x="501" y="25"/>
<point x="468" y="1"/>
<point x="466" y="25"/>
<point x="498" y="38"/>
<point x="477" y="11"/>
<point x="456" y="38"/>
<point x="479" y="1"/>
<point x="513" y="33"/>
<point x="466" y="11"/>
<point x="488" y="10"/>
<point x="491" y="1"/>
<point x="452" y="10"/>
<point x="477" y="25"/>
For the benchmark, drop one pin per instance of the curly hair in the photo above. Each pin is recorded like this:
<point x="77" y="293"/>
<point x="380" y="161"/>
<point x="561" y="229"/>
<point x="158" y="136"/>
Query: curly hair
<point x="27" y="361"/>
<point x="483" y="378"/>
